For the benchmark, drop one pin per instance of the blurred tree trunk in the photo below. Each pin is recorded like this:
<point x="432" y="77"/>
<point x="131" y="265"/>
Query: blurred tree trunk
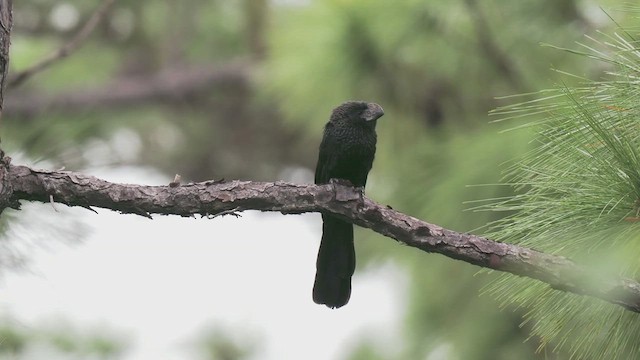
<point x="256" y="13"/>
<point x="6" y="22"/>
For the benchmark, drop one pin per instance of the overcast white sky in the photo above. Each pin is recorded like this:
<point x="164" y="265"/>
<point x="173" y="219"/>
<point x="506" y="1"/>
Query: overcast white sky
<point x="160" y="282"/>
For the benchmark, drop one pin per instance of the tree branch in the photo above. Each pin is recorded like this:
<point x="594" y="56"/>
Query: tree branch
<point x="66" y="49"/>
<point x="168" y="85"/>
<point x="222" y="197"/>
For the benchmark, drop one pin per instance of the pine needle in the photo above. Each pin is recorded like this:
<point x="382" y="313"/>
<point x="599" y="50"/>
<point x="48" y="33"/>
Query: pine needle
<point x="578" y="195"/>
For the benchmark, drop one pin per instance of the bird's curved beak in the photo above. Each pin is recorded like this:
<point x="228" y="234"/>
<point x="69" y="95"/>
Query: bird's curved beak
<point x="373" y="112"/>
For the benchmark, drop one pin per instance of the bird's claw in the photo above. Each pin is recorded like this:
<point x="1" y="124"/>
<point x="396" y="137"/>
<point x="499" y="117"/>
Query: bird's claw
<point x="360" y="190"/>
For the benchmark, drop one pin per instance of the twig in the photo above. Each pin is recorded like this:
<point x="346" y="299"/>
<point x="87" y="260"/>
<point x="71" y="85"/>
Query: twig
<point x="53" y="203"/>
<point x="210" y="198"/>
<point x="176" y="181"/>
<point x="233" y="212"/>
<point x="67" y="49"/>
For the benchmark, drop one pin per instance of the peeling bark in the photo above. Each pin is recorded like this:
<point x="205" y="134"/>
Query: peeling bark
<point x="211" y="198"/>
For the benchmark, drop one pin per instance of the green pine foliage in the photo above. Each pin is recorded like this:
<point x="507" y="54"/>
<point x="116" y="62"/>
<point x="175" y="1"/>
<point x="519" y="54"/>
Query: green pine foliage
<point x="579" y="196"/>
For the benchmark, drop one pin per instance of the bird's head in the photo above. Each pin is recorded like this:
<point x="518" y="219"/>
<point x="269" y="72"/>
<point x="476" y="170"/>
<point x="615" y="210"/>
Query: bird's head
<point x="366" y="112"/>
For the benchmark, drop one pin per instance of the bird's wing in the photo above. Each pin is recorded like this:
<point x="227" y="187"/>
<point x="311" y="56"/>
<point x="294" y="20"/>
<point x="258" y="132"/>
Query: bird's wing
<point x="326" y="157"/>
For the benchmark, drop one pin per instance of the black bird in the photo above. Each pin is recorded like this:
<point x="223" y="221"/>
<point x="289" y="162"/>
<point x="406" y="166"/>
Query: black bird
<point x="346" y="153"/>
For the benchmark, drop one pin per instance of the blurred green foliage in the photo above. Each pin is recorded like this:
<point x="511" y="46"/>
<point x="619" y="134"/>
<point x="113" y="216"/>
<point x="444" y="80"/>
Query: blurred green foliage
<point x="436" y="67"/>
<point x="224" y="343"/>
<point x="59" y="341"/>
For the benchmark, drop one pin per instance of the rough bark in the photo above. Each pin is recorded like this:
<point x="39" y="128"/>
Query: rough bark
<point x="212" y="198"/>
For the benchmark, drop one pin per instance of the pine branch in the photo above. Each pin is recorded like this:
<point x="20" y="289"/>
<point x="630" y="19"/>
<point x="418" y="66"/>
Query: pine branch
<point x="212" y="198"/>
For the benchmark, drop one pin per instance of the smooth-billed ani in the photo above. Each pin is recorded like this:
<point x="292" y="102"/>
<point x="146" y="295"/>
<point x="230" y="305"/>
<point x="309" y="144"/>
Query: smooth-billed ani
<point x="346" y="153"/>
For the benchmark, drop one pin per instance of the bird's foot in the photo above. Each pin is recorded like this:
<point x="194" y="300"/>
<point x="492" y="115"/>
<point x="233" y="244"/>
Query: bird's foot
<point x="360" y="190"/>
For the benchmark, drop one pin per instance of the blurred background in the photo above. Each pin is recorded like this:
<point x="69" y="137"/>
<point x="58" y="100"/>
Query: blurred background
<point x="241" y="90"/>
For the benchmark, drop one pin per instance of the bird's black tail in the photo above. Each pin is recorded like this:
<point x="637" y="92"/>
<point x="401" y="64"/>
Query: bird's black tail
<point x="336" y="263"/>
